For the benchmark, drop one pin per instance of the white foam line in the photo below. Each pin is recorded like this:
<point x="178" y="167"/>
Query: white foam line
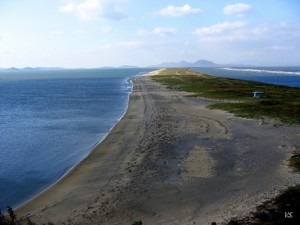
<point x="263" y="71"/>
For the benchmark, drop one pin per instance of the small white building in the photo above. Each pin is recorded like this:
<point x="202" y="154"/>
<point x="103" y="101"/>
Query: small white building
<point x="258" y="94"/>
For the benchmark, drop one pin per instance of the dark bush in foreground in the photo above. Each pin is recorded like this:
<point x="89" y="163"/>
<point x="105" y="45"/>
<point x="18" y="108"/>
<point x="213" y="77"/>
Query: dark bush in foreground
<point x="283" y="210"/>
<point x="137" y="223"/>
<point x="11" y="218"/>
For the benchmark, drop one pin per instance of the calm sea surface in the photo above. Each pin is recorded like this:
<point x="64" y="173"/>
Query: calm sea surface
<point x="288" y="76"/>
<point x="50" y="120"/>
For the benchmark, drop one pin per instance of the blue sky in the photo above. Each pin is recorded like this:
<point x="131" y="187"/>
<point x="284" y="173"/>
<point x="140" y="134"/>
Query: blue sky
<point x="94" y="33"/>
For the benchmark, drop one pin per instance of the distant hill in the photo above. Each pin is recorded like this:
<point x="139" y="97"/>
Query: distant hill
<point x="128" y="67"/>
<point x="198" y="63"/>
<point x="14" y="69"/>
<point x="41" y="68"/>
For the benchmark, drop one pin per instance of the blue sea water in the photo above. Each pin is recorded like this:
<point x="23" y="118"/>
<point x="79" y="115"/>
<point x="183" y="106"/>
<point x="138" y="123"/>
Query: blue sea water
<point x="288" y="76"/>
<point x="51" y="120"/>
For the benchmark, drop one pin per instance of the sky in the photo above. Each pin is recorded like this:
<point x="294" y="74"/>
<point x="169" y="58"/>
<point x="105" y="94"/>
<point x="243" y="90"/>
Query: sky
<point x="96" y="33"/>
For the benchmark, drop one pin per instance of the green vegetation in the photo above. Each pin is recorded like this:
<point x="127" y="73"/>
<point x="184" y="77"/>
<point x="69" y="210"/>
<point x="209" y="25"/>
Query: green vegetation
<point x="284" y="209"/>
<point x="137" y="222"/>
<point x="11" y="219"/>
<point x="279" y="102"/>
<point x="295" y="162"/>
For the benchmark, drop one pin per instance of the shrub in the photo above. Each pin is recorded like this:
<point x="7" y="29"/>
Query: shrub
<point x="137" y="222"/>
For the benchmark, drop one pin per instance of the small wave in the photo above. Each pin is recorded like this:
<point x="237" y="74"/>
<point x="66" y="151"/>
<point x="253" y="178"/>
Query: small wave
<point x="263" y="71"/>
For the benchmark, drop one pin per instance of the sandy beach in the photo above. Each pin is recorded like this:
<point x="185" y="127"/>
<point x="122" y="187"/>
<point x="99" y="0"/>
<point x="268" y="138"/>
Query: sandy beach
<point x="172" y="161"/>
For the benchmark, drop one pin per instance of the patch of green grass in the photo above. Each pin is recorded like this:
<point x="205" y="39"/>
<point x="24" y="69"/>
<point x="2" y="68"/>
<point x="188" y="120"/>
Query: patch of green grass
<point x="295" y="162"/>
<point x="280" y="102"/>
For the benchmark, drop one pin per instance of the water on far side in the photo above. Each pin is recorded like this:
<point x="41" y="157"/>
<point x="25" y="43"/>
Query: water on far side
<point x="288" y="76"/>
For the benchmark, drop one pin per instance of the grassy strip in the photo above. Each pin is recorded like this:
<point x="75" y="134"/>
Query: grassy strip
<point x="280" y="102"/>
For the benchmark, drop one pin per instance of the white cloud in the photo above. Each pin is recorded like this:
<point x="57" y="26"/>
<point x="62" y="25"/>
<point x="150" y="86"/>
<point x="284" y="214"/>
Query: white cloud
<point x="94" y="9"/>
<point x="57" y="32"/>
<point x="164" y="31"/>
<point x="106" y="29"/>
<point x="234" y="31"/>
<point x="143" y="32"/>
<point x="219" y="28"/>
<point x="178" y="10"/>
<point x="86" y="10"/>
<point x="286" y="31"/>
<point x="280" y="47"/>
<point x="79" y="31"/>
<point x="239" y="9"/>
<point x="161" y="31"/>
<point x="250" y="41"/>
<point x="66" y="33"/>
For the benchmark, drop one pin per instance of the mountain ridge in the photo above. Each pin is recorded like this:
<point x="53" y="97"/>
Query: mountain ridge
<point x="198" y="63"/>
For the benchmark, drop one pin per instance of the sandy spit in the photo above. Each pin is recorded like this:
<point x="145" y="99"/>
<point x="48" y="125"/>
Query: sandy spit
<point x="172" y="161"/>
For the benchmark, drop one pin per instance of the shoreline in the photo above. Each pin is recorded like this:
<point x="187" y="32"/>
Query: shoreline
<point x="67" y="173"/>
<point x="22" y="207"/>
<point x="164" y="163"/>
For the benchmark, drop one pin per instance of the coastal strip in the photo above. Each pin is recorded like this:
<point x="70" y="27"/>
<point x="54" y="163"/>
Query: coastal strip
<point x="70" y="192"/>
<point x="171" y="160"/>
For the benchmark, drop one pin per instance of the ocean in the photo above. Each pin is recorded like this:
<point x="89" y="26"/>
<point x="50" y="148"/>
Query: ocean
<point x="51" y="120"/>
<point x="288" y="76"/>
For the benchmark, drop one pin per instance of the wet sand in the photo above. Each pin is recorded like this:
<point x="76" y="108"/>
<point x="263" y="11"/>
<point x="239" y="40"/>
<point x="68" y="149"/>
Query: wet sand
<point x="172" y="161"/>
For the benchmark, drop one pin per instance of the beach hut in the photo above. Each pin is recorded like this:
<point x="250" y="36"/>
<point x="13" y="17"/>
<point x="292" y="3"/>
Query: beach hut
<point x="258" y="94"/>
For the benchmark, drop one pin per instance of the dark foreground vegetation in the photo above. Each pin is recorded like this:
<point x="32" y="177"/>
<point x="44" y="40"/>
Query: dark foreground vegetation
<point x="10" y="218"/>
<point x="278" y="102"/>
<point x="283" y="210"/>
